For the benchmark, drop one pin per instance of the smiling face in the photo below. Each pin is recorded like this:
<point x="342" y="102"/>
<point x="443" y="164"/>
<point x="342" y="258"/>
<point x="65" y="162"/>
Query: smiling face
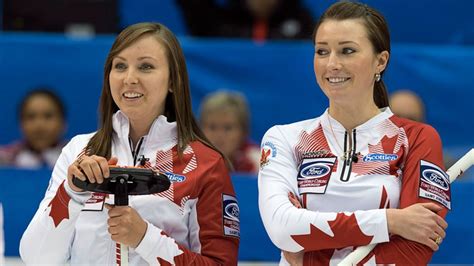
<point x="345" y="62"/>
<point x="139" y="79"/>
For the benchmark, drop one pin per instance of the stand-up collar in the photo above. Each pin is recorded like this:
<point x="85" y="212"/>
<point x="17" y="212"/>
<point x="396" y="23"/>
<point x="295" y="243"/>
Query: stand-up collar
<point x="162" y="133"/>
<point x="328" y="121"/>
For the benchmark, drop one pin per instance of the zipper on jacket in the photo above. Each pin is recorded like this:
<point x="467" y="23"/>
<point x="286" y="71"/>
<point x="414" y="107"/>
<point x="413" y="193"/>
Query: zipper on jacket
<point x="348" y="156"/>
<point x="135" y="150"/>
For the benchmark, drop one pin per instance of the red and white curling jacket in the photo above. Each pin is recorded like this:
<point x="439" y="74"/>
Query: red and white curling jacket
<point x="194" y="222"/>
<point x="345" y="181"/>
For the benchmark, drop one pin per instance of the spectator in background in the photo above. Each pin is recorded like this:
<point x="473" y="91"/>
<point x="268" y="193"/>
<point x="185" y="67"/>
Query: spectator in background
<point x="407" y="104"/>
<point x="257" y="19"/>
<point x="74" y="17"/>
<point x="42" y="120"/>
<point x="225" y="121"/>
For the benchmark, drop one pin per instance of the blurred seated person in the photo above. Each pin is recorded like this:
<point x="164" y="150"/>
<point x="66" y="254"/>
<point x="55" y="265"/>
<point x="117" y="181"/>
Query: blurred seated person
<point x="257" y="19"/>
<point x="225" y="121"/>
<point x="42" y="119"/>
<point x="407" y="104"/>
<point x="75" y="17"/>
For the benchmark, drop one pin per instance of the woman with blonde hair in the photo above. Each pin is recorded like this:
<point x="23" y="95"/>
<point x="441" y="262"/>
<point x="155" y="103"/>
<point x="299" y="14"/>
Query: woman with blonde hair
<point x="225" y="120"/>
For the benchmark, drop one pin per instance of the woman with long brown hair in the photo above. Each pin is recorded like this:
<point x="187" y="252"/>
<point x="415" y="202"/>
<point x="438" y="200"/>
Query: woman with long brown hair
<point x="357" y="174"/>
<point x="145" y="120"/>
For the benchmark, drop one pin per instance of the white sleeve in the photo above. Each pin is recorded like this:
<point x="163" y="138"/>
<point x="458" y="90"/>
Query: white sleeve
<point x="156" y="242"/>
<point x="49" y="236"/>
<point x="294" y="229"/>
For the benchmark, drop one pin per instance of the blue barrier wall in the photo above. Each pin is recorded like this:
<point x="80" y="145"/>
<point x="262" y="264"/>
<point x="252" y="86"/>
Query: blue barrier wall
<point x="21" y="191"/>
<point x="277" y="78"/>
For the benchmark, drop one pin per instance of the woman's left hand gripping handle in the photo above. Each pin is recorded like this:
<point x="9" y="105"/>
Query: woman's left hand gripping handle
<point x="93" y="168"/>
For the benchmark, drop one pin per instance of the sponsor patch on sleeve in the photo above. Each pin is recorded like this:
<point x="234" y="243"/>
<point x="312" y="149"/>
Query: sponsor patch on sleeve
<point x="434" y="184"/>
<point x="230" y="213"/>
<point x="314" y="174"/>
<point x="268" y="151"/>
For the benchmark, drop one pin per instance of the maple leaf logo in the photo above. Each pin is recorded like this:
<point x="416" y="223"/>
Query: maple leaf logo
<point x="264" y="157"/>
<point x="346" y="232"/>
<point x="59" y="206"/>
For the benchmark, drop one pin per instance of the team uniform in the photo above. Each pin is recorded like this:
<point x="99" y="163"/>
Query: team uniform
<point x="195" y="221"/>
<point x="20" y="154"/>
<point x="345" y="181"/>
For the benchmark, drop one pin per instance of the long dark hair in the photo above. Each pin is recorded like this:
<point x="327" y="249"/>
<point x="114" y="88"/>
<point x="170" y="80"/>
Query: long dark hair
<point x="177" y="104"/>
<point x="377" y="31"/>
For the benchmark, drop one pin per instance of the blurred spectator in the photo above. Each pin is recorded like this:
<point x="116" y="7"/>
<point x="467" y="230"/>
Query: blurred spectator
<point x="225" y="121"/>
<point x="257" y="19"/>
<point x="42" y="120"/>
<point x="407" y="104"/>
<point x="76" y="17"/>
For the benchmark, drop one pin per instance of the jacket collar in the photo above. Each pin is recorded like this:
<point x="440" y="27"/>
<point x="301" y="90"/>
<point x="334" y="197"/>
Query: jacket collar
<point x="162" y="133"/>
<point x="327" y="121"/>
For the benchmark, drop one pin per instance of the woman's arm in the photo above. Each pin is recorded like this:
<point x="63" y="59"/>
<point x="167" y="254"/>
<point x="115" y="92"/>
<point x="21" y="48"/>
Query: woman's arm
<point x="48" y="238"/>
<point x="294" y="229"/>
<point x="424" y="165"/>
<point x="421" y="222"/>
<point x="213" y="226"/>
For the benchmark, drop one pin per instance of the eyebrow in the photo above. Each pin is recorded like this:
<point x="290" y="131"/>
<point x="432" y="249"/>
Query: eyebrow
<point x="140" y="58"/>
<point x="146" y="57"/>
<point x="343" y="42"/>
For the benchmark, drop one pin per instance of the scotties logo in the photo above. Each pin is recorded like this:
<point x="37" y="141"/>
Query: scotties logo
<point x="379" y="157"/>
<point x="175" y="177"/>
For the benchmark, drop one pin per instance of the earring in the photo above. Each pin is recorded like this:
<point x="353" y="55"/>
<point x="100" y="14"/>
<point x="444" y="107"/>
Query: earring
<point x="378" y="77"/>
<point x="170" y="90"/>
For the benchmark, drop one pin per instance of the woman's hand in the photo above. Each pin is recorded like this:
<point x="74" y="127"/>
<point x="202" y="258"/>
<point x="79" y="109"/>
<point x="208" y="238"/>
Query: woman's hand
<point x="125" y="225"/>
<point x="419" y="222"/>
<point x="294" y="200"/>
<point x="294" y="259"/>
<point x="93" y="168"/>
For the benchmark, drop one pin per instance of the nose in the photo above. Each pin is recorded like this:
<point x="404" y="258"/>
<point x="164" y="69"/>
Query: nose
<point x="333" y="62"/>
<point x="130" y="77"/>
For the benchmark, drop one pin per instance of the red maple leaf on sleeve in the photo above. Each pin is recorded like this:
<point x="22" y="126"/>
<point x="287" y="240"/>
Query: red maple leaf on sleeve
<point x="59" y="206"/>
<point x="346" y="232"/>
<point x="264" y="156"/>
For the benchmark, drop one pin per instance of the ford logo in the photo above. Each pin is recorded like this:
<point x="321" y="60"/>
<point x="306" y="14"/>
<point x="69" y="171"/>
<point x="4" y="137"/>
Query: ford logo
<point x="175" y="177"/>
<point x="315" y="170"/>
<point x="380" y="157"/>
<point x="436" y="179"/>
<point x="232" y="211"/>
